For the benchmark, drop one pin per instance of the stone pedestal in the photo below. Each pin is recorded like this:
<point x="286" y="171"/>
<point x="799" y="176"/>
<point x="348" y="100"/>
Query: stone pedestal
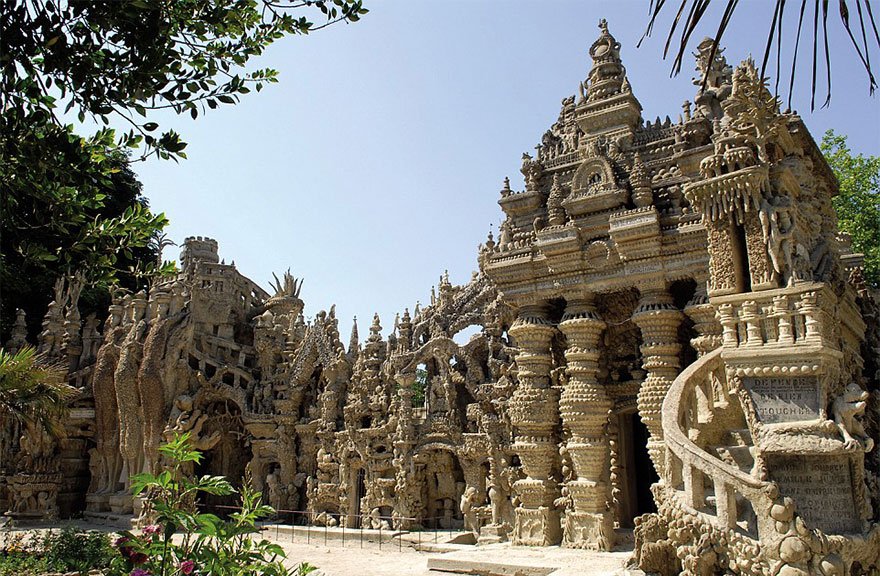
<point x="121" y="503"/>
<point x="493" y="534"/>
<point x="588" y="530"/>
<point x="658" y="319"/>
<point x="537" y="526"/>
<point x="34" y="496"/>
<point x="97" y="502"/>
<point x="584" y="407"/>
<point x="534" y="413"/>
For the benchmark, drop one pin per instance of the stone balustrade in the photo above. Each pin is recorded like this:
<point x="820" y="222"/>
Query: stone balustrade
<point x="779" y="318"/>
<point x="700" y="483"/>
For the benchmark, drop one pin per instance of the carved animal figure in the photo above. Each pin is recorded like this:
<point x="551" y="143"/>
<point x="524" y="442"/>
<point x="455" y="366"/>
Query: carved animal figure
<point x="847" y="407"/>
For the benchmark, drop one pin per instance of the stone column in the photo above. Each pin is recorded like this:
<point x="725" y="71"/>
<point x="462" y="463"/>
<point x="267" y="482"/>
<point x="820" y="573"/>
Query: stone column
<point x="706" y="325"/>
<point x="584" y="407"/>
<point x="658" y="319"/>
<point x="534" y="413"/>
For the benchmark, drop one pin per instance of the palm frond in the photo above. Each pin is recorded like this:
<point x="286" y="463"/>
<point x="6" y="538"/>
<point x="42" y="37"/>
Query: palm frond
<point x="691" y="13"/>
<point x="32" y="388"/>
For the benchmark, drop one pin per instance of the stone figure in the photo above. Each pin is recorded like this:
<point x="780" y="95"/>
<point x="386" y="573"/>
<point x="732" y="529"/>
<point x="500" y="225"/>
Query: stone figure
<point x="848" y="408"/>
<point x="468" y="501"/>
<point x="151" y="387"/>
<point x="106" y="410"/>
<point x="778" y="227"/>
<point x="127" y="394"/>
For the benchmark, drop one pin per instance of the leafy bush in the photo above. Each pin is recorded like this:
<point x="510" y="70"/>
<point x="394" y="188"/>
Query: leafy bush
<point x="68" y="550"/>
<point x="183" y="541"/>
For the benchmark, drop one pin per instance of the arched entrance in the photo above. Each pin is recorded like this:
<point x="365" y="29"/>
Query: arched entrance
<point x="636" y="472"/>
<point x="442" y="480"/>
<point x="229" y="457"/>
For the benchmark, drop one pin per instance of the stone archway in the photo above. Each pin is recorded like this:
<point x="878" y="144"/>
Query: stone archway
<point x="229" y="456"/>
<point x="441" y="477"/>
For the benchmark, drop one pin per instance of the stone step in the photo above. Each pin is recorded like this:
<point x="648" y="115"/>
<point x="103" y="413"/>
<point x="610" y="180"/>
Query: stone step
<point x="506" y="560"/>
<point x="111" y="520"/>
<point x="448" y="563"/>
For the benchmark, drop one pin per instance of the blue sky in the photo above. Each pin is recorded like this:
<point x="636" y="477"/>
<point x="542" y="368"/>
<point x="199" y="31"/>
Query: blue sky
<point x="376" y="162"/>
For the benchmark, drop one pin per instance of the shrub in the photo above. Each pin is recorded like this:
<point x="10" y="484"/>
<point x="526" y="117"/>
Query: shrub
<point x="68" y="550"/>
<point x="204" y="543"/>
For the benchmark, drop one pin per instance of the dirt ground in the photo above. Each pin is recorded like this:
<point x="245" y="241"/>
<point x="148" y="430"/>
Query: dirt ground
<point x="416" y="554"/>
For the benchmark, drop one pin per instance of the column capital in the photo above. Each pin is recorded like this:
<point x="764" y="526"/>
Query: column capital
<point x="581" y="307"/>
<point x="535" y="313"/>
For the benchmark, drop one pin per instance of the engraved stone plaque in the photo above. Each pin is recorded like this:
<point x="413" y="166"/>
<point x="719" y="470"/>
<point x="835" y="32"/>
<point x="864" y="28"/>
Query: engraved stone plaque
<point x="821" y="486"/>
<point x="785" y="399"/>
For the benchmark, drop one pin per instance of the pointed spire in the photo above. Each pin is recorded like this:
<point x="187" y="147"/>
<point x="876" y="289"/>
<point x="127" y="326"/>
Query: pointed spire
<point x="607" y="75"/>
<point x="354" y="339"/>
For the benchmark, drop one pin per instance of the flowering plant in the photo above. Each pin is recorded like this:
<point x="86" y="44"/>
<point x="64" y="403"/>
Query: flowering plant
<point x="182" y="541"/>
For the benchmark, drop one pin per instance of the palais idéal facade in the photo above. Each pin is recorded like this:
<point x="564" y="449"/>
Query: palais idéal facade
<point x="673" y="337"/>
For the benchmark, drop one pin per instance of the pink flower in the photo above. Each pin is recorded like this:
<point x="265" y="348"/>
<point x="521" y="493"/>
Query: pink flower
<point x="151" y="530"/>
<point x="120" y="542"/>
<point x="138" y="558"/>
<point x="187" y="566"/>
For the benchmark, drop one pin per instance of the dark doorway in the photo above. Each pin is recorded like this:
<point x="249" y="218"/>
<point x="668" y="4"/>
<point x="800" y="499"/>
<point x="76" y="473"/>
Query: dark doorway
<point x="360" y="492"/>
<point x="637" y="472"/>
<point x="229" y="455"/>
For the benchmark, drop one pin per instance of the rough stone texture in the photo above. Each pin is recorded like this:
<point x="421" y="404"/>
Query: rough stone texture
<point x="663" y="297"/>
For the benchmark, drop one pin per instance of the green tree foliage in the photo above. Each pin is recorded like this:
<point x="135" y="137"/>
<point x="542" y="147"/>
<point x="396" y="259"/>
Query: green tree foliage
<point x="69" y="202"/>
<point x="858" y="204"/>
<point x="126" y="58"/>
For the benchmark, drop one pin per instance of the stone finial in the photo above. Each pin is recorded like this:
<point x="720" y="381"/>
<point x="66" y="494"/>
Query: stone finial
<point x="607" y="75"/>
<point x="490" y="241"/>
<point x="18" y="337"/>
<point x="376" y="328"/>
<point x="354" y="339"/>
<point x="505" y="190"/>
<point x="555" y="210"/>
<point x="640" y="181"/>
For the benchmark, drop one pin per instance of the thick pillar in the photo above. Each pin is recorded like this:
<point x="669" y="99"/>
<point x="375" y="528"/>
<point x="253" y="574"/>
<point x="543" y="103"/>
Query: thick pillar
<point x="584" y="407"/>
<point x="534" y="413"/>
<point x="658" y="319"/>
<point x="706" y="325"/>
